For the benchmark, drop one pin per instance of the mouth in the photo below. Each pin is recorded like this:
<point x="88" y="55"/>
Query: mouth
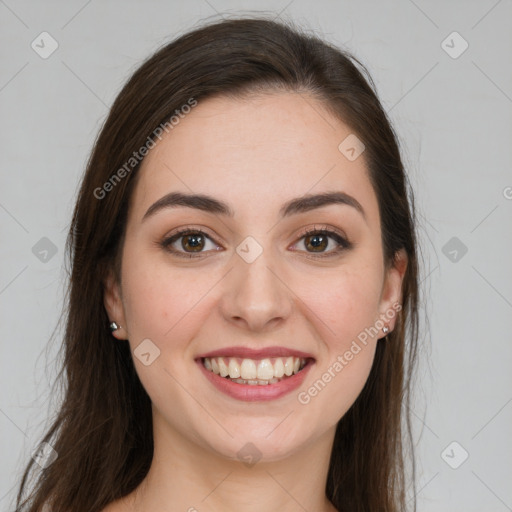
<point x="255" y="375"/>
<point x="255" y="372"/>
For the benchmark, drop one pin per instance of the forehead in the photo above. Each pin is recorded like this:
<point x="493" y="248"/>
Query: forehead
<point x="254" y="152"/>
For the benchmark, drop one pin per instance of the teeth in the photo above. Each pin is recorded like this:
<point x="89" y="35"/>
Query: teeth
<point x="265" y="370"/>
<point x="288" y="366"/>
<point x="254" y="372"/>
<point x="248" y="369"/>
<point x="234" y="368"/>
<point x="223" y="369"/>
<point x="278" y="368"/>
<point x="259" y="382"/>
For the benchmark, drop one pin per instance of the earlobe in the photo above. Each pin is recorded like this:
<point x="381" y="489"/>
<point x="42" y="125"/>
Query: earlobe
<point x="114" y="307"/>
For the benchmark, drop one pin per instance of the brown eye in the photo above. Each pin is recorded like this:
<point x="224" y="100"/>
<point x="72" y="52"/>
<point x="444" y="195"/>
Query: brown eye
<point x="323" y="242"/>
<point x="316" y="243"/>
<point x="193" y="243"/>
<point x="189" y="243"/>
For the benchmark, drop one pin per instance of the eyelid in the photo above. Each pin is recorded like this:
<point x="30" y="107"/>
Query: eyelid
<point x="322" y="227"/>
<point x="194" y="229"/>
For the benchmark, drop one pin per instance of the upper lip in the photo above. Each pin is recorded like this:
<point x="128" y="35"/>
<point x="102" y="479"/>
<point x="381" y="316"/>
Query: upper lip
<point x="260" y="353"/>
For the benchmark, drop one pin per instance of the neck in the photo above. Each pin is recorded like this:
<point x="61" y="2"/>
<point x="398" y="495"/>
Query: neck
<point x="185" y="476"/>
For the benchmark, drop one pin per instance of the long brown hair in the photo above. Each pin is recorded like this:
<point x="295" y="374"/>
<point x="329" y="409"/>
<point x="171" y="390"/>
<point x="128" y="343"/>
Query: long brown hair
<point x="103" y="430"/>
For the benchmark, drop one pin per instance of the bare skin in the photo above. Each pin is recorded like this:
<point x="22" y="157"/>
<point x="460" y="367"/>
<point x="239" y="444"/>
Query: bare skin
<point x="254" y="154"/>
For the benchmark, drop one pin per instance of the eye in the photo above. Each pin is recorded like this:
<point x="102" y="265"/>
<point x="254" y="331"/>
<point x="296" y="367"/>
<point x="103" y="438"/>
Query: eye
<point x="323" y="242"/>
<point x="194" y="243"/>
<point x="189" y="243"/>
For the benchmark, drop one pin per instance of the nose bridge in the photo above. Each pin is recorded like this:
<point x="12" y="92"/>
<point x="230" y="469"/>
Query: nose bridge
<point x="254" y="295"/>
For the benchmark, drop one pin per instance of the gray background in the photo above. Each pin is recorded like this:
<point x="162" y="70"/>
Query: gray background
<point x="453" y="117"/>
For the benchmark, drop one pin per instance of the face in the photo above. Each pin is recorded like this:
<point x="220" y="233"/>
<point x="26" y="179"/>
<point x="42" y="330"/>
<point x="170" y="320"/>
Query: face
<point x="257" y="272"/>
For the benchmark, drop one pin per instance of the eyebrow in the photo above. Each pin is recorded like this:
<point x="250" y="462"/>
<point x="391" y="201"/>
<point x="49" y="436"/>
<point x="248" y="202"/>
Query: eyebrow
<point x="209" y="204"/>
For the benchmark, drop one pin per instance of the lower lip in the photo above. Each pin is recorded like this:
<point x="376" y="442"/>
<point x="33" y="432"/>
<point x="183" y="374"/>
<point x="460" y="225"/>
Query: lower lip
<point x="250" y="393"/>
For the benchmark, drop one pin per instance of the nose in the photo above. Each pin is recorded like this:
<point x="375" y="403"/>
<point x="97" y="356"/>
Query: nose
<point x="255" y="295"/>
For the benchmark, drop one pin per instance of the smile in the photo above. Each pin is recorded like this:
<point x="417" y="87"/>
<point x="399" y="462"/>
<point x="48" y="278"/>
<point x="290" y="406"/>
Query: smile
<point x="255" y="375"/>
<point x="254" y="372"/>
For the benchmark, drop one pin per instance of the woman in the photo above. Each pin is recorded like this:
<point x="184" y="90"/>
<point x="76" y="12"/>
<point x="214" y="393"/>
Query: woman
<point x="243" y="316"/>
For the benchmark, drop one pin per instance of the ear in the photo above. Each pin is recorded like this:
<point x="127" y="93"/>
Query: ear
<point x="392" y="288"/>
<point x="114" y="305"/>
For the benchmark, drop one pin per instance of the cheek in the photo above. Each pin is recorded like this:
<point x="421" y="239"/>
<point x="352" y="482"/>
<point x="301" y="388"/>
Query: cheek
<point x="345" y="312"/>
<point x="162" y="304"/>
<point x="345" y="303"/>
<point x="165" y="307"/>
<point x="153" y="307"/>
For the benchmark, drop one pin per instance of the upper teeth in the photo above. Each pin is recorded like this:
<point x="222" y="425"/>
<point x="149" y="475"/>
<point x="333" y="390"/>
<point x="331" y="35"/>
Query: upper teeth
<point x="263" y="369"/>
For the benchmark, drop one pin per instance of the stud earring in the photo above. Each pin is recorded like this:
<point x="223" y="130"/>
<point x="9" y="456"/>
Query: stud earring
<point x="114" y="327"/>
<point x="385" y="329"/>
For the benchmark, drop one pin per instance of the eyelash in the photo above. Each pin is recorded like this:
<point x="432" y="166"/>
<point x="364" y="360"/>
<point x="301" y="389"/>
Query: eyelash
<point x="343" y="243"/>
